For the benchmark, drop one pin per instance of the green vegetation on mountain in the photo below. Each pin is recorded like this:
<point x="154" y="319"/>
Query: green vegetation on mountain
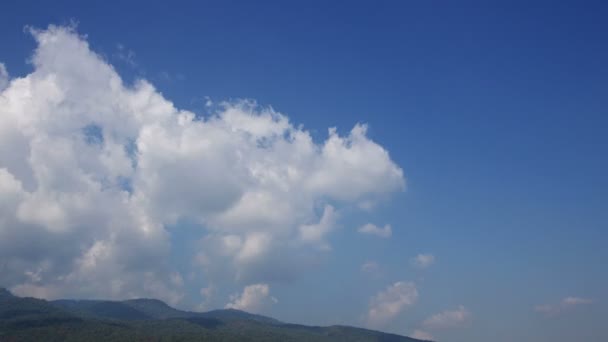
<point x="29" y="319"/>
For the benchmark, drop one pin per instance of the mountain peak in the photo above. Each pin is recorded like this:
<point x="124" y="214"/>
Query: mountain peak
<point x="149" y="301"/>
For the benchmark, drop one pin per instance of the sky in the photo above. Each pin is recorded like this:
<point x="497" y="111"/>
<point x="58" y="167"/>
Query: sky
<point x="426" y="168"/>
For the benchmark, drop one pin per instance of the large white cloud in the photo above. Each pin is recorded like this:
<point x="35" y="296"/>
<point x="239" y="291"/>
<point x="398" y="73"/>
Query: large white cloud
<point x="92" y="172"/>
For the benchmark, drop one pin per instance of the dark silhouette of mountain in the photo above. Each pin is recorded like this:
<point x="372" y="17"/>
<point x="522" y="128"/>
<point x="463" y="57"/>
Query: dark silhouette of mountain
<point x="144" y="308"/>
<point x="4" y="293"/>
<point x="233" y="315"/>
<point x="30" y="319"/>
<point x="101" y="309"/>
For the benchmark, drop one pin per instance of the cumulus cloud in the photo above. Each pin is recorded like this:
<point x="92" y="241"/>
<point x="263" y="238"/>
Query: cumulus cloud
<point x="387" y="304"/>
<point x="372" y="229"/>
<point x="423" y="261"/>
<point x="93" y="171"/>
<point x="448" y="319"/>
<point x="564" y="305"/>
<point x="254" y="298"/>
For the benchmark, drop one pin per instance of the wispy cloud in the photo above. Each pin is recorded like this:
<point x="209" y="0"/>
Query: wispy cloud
<point x="372" y="229"/>
<point x="448" y="319"/>
<point x="387" y="304"/>
<point x="564" y="305"/>
<point x="422" y="261"/>
<point x="125" y="55"/>
<point x="370" y="267"/>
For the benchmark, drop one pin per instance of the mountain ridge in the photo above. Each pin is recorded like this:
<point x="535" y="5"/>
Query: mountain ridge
<point x="146" y="319"/>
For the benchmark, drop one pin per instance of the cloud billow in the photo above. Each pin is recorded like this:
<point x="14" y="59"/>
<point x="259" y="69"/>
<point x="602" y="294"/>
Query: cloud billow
<point x="253" y="298"/>
<point x="93" y="171"/>
<point x="389" y="303"/>
<point x="371" y="229"/>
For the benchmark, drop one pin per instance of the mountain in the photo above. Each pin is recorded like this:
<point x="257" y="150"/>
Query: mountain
<point x="30" y="319"/>
<point x="137" y="309"/>
<point x="234" y="315"/>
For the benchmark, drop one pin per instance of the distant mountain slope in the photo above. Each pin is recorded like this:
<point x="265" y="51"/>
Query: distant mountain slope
<point x="233" y="315"/>
<point x="101" y="309"/>
<point x="141" y="309"/>
<point x="30" y="319"/>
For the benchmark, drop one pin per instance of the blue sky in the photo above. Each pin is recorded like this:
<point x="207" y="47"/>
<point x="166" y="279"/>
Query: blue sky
<point x="495" y="112"/>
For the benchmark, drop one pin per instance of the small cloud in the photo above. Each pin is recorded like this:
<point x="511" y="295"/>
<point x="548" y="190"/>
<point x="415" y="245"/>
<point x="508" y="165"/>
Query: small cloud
<point x="564" y="305"/>
<point x="547" y="309"/>
<point x="422" y="261"/>
<point x="422" y="335"/>
<point x="370" y="267"/>
<point x="253" y="298"/>
<point x="569" y="301"/>
<point x="208" y="102"/>
<point x="164" y="75"/>
<point x="126" y="55"/>
<point x="207" y="292"/>
<point x="387" y="304"/>
<point x="448" y="319"/>
<point x="371" y="229"/>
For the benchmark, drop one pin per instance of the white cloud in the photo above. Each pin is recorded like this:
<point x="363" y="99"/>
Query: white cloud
<point x="126" y="55"/>
<point x="317" y="231"/>
<point x="340" y="156"/>
<point x="423" y="261"/>
<point x="92" y="171"/>
<point x="387" y="304"/>
<point x="372" y="229"/>
<point x="571" y="301"/>
<point x="370" y="267"/>
<point x="564" y="305"/>
<point x="207" y="294"/>
<point x="254" y="298"/>
<point x="448" y="319"/>
<point x="422" y="335"/>
<point x="4" y="78"/>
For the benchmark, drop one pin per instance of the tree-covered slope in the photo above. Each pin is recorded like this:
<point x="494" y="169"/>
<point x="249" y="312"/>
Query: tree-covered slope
<point x="30" y="319"/>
